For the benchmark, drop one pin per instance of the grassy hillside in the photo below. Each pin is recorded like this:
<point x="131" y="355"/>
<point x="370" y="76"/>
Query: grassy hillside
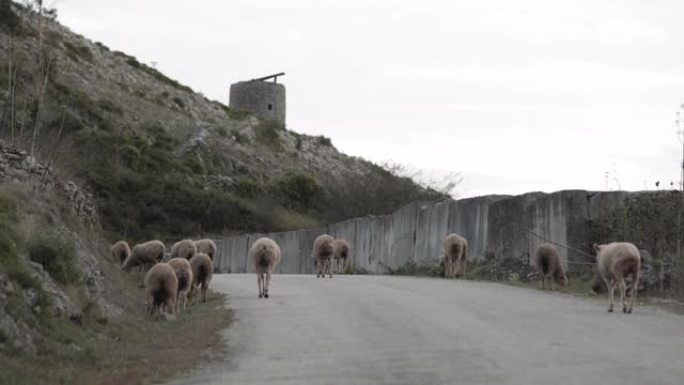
<point x="163" y="160"/>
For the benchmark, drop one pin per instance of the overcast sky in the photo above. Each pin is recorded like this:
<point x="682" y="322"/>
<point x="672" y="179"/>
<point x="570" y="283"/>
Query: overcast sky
<point x="518" y="96"/>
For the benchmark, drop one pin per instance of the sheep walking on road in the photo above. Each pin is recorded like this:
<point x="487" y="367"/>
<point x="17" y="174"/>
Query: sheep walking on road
<point x="617" y="261"/>
<point x="341" y="254"/>
<point x="161" y="286"/>
<point x="455" y="255"/>
<point x="323" y="253"/>
<point x="265" y="254"/>
<point x="548" y="264"/>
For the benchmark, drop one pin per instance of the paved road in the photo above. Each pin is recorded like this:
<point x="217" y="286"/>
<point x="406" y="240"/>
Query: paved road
<point x="402" y="330"/>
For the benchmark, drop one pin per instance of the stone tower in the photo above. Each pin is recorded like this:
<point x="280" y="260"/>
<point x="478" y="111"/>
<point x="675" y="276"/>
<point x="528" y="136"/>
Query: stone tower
<point x="260" y="97"/>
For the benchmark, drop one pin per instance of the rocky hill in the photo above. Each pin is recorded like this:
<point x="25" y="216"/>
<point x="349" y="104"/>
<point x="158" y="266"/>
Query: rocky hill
<point x="162" y="159"/>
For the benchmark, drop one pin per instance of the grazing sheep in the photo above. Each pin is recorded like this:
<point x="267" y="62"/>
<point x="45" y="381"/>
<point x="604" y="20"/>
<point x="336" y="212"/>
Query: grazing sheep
<point x="548" y="263"/>
<point x="206" y="246"/>
<point x="161" y="286"/>
<point x="323" y="252"/>
<point x="202" y="271"/>
<point x="181" y="267"/>
<point x="183" y="249"/>
<point x="455" y="255"/>
<point x="147" y="253"/>
<point x="341" y="254"/>
<point x="616" y="261"/>
<point x="121" y="251"/>
<point x="265" y="254"/>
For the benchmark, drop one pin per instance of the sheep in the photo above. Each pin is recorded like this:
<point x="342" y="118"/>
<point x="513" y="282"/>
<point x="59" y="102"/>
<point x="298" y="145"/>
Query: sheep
<point x="547" y="262"/>
<point x="183" y="271"/>
<point x="121" y="251"/>
<point x="615" y="262"/>
<point x="455" y="255"/>
<point x="265" y="254"/>
<point x="145" y="254"/>
<point x="183" y="249"/>
<point x="161" y="286"/>
<point x="206" y="246"/>
<point x="202" y="271"/>
<point x="323" y="253"/>
<point x="341" y="254"/>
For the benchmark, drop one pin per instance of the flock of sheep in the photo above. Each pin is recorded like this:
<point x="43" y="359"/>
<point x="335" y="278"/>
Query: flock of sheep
<point x="615" y="261"/>
<point x="187" y="273"/>
<point x="190" y="266"/>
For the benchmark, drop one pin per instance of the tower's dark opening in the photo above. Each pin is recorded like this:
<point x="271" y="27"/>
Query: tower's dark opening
<point x="270" y="107"/>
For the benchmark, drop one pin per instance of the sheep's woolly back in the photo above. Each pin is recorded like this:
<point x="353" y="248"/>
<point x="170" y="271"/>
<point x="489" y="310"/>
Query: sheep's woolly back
<point x="181" y="267"/>
<point x="145" y="253"/>
<point x="618" y="259"/>
<point x="202" y="269"/>
<point x="206" y="246"/>
<point x="324" y="247"/>
<point x="265" y="254"/>
<point x="161" y="283"/>
<point x="183" y="249"/>
<point x="455" y="247"/>
<point x="121" y="251"/>
<point x="547" y="260"/>
<point x="341" y="249"/>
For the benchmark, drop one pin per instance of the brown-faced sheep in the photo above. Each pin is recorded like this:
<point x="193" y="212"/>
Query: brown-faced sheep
<point x="323" y="253"/>
<point x="341" y="254"/>
<point x="147" y="253"/>
<point x="617" y="261"/>
<point x="183" y="249"/>
<point x="455" y="255"/>
<point x="202" y="272"/>
<point x="161" y="286"/>
<point x="206" y="246"/>
<point x="181" y="267"/>
<point x="265" y="254"/>
<point x="121" y="251"/>
<point x="548" y="264"/>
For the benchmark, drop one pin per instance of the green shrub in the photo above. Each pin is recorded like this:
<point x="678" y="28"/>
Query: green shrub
<point x="299" y="191"/>
<point x="57" y="255"/>
<point x="222" y="132"/>
<point x="247" y="188"/>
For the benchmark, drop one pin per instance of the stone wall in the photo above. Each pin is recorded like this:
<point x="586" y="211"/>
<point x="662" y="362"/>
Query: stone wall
<point x="495" y="226"/>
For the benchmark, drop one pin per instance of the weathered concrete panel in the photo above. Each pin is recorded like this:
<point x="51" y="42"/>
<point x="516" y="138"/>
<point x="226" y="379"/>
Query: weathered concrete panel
<point x="495" y="226"/>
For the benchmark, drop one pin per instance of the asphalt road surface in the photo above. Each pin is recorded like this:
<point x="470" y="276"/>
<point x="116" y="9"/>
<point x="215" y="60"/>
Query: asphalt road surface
<point x="404" y="330"/>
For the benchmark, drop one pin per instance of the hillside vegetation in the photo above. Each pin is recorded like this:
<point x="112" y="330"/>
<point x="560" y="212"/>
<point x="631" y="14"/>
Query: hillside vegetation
<point x="163" y="160"/>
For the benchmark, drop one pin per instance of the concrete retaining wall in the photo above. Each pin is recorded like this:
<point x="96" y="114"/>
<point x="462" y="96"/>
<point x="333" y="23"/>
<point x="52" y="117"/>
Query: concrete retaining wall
<point x="495" y="226"/>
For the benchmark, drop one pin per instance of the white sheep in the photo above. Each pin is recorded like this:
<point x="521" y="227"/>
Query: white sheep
<point x="455" y="255"/>
<point x="120" y="251"/>
<point x="181" y="267"/>
<point x="265" y="254"/>
<point x="341" y="254"/>
<point x="617" y="261"/>
<point x="143" y="254"/>
<point x="161" y="287"/>
<point x="323" y="253"/>
<point x="206" y="246"/>
<point x="183" y="249"/>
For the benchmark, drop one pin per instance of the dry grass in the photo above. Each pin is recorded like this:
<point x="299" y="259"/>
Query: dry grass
<point x="135" y="349"/>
